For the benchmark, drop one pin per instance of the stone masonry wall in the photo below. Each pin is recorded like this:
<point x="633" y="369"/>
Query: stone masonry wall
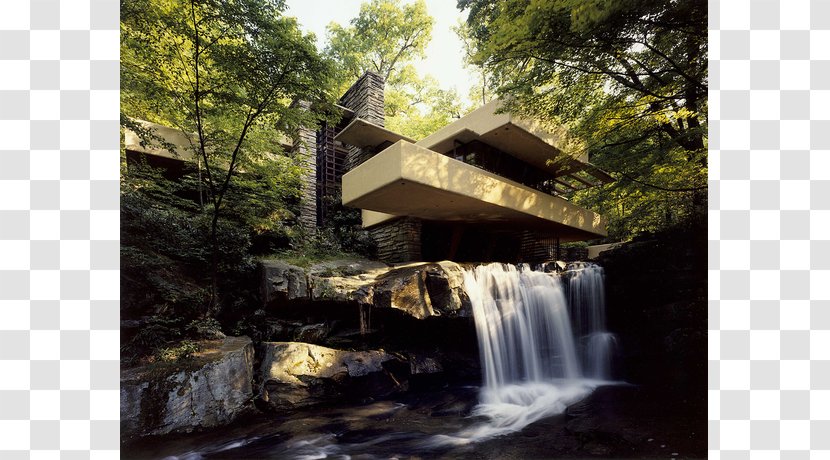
<point x="398" y="240"/>
<point x="305" y="149"/>
<point x="365" y="97"/>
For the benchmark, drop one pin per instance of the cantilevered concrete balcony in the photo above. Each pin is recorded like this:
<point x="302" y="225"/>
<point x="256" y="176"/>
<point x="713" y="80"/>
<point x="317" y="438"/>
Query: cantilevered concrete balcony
<point x="409" y="180"/>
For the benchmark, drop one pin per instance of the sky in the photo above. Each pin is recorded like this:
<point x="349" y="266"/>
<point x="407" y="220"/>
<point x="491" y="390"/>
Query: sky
<point x="444" y="54"/>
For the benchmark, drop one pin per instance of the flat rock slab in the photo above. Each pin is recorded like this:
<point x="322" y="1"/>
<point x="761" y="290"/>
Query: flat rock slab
<point x="210" y="389"/>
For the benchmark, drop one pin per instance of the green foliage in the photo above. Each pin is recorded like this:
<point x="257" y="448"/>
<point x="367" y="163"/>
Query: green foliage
<point x="165" y="253"/>
<point x="626" y="78"/>
<point x="345" y="225"/>
<point x="385" y="38"/>
<point x="204" y="328"/>
<point x="320" y="246"/>
<point x="231" y="75"/>
<point x="244" y="63"/>
<point x="153" y="335"/>
<point x="417" y="106"/>
<point x="163" y="216"/>
<point x="480" y="91"/>
<point x="179" y="352"/>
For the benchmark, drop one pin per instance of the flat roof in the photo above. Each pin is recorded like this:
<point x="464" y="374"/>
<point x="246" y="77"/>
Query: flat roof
<point x="526" y="140"/>
<point x="183" y="147"/>
<point x="361" y="133"/>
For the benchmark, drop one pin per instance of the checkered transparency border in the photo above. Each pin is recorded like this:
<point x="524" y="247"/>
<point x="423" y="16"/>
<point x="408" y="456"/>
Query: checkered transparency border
<point x="769" y="229"/>
<point x="59" y="167"/>
<point x="769" y="232"/>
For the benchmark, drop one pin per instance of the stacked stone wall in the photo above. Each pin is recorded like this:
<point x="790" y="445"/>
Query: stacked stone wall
<point x="398" y="240"/>
<point x="365" y="98"/>
<point x="305" y="151"/>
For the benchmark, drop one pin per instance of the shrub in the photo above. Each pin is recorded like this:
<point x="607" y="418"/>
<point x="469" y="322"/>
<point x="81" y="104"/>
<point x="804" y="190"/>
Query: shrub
<point x="182" y="351"/>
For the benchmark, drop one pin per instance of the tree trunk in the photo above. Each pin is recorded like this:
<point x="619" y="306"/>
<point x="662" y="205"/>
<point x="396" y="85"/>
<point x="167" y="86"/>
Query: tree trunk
<point x="213" y="307"/>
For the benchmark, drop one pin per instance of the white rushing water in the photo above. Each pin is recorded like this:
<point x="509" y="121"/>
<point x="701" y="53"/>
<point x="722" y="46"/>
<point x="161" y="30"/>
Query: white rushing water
<point x="534" y="365"/>
<point x="586" y="299"/>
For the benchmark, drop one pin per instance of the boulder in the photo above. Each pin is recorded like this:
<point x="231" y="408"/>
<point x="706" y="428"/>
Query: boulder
<point x="345" y="280"/>
<point x="298" y="374"/>
<point x="282" y="281"/>
<point x="404" y="289"/>
<point x="312" y="333"/>
<point x="445" y="284"/>
<point x="420" y="290"/>
<point x="210" y="389"/>
<point x="424" y="290"/>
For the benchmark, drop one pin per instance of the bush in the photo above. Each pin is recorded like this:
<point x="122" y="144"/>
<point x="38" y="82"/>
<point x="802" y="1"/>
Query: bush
<point x="204" y="328"/>
<point x="153" y="334"/>
<point x="179" y="352"/>
<point x="345" y="226"/>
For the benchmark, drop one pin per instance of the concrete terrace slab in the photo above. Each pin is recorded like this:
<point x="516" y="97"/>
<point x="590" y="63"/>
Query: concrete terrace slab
<point x="407" y="179"/>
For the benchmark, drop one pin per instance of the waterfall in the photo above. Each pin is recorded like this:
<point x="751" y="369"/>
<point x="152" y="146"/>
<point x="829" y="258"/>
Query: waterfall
<point x="521" y="317"/>
<point x="537" y="359"/>
<point x="586" y="295"/>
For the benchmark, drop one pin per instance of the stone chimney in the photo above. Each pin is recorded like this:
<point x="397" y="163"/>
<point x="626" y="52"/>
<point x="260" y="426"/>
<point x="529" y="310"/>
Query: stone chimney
<point x="365" y="98"/>
<point x="305" y="150"/>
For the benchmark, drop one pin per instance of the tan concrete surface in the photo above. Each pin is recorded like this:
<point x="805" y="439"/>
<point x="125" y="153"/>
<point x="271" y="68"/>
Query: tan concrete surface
<point x="182" y="150"/>
<point x="361" y="133"/>
<point x="409" y="180"/>
<point x="526" y="140"/>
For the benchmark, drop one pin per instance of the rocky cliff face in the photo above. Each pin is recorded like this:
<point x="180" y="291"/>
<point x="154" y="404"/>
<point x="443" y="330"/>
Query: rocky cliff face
<point x="350" y="329"/>
<point x="210" y="390"/>
<point x="657" y="304"/>
<point x="421" y="290"/>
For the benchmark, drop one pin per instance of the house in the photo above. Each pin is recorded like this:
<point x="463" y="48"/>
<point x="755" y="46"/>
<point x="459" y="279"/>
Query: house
<point x="484" y="188"/>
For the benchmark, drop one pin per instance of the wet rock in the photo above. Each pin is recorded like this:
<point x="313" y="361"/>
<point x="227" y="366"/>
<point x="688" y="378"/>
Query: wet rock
<point x="424" y="290"/>
<point x="298" y="374"/>
<point x="345" y="280"/>
<point x="424" y="365"/>
<point x="421" y="290"/>
<point x="445" y="285"/>
<point x="404" y="289"/>
<point x="211" y="389"/>
<point x="312" y="333"/>
<point x="282" y="281"/>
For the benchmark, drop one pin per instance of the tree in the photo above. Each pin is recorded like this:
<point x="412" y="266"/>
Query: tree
<point x="480" y="91"/>
<point x="417" y="106"/>
<point x="385" y="38"/>
<point x="382" y="39"/>
<point x="628" y="77"/>
<point x="230" y="75"/>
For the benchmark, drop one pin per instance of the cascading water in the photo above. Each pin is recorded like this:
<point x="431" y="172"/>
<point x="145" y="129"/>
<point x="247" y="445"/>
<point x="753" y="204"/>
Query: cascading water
<point x="542" y="345"/>
<point x="524" y="333"/>
<point x="532" y="365"/>
<point x="586" y="295"/>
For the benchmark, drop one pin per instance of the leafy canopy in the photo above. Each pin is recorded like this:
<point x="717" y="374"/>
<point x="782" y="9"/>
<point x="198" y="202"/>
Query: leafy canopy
<point x="385" y="38"/>
<point x="628" y="77"/>
<point x="231" y="75"/>
<point x="228" y="74"/>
